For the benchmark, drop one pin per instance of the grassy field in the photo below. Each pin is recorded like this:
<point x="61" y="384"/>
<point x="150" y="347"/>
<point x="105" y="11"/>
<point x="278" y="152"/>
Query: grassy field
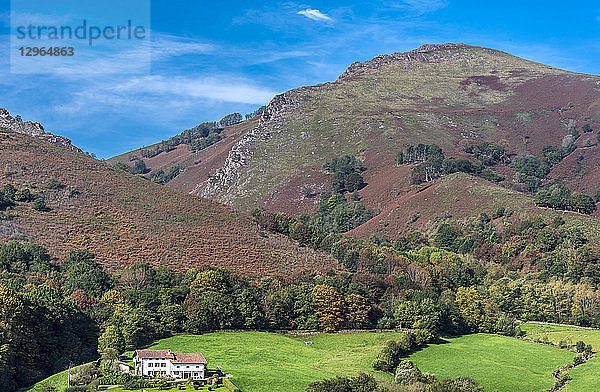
<point x="585" y="377"/>
<point x="58" y="381"/>
<point x="271" y="362"/>
<point x="556" y="333"/>
<point x="497" y="362"/>
<point x="279" y="363"/>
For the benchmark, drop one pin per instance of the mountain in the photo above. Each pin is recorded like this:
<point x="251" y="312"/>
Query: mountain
<point x="35" y="129"/>
<point x="452" y="95"/>
<point x="125" y="219"/>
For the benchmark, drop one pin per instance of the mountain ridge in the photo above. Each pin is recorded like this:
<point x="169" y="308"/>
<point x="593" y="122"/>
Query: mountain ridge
<point x="453" y="95"/>
<point x="125" y="220"/>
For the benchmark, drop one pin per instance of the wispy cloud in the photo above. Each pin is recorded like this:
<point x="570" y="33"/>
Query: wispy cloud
<point x="219" y="89"/>
<point x="315" y="14"/>
<point x="167" y="45"/>
<point x="148" y="93"/>
<point x="418" y="7"/>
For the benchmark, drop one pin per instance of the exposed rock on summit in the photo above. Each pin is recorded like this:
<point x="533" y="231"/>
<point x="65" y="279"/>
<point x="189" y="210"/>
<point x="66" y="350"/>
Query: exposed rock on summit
<point x="35" y="129"/>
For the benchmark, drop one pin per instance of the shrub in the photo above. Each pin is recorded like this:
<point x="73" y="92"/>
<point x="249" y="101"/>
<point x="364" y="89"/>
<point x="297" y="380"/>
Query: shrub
<point x="53" y="183"/>
<point x="8" y="192"/>
<point x="580" y="346"/>
<point x="71" y="191"/>
<point x="578" y="360"/>
<point x="77" y="388"/>
<point x="139" y="167"/>
<point x="387" y="359"/>
<point x="423" y="336"/>
<point x="39" y="204"/>
<point x="23" y="195"/>
<point x="407" y="376"/>
<point x="507" y="325"/>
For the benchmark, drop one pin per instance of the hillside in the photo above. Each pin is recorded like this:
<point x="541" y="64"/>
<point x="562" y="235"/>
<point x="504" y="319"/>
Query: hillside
<point x="452" y="95"/>
<point x="125" y="219"/>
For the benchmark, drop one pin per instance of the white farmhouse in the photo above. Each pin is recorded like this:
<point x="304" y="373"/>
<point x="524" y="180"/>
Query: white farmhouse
<point x="165" y="363"/>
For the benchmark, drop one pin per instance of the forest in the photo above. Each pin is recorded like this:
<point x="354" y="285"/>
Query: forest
<point x="461" y="279"/>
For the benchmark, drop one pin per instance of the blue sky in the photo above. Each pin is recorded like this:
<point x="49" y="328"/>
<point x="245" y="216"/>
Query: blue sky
<point x="213" y="58"/>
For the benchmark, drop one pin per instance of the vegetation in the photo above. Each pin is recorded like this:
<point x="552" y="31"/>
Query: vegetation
<point x="283" y="363"/>
<point x="561" y="198"/>
<point x="161" y="178"/>
<point x="488" y="153"/>
<point x="517" y="365"/>
<point x="337" y="215"/>
<point x="390" y="357"/>
<point x="433" y="162"/>
<point x="197" y="138"/>
<point x="346" y="174"/>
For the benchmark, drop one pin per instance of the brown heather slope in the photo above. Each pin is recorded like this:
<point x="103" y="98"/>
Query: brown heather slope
<point x="125" y="220"/>
<point x="196" y="166"/>
<point x="451" y="95"/>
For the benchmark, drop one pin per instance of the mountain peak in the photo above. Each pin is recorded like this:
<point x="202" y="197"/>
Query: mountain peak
<point x="35" y="129"/>
<point x="426" y="53"/>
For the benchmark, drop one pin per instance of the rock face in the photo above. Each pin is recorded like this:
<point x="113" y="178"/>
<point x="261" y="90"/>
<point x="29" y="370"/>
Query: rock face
<point x="34" y="129"/>
<point x="228" y="175"/>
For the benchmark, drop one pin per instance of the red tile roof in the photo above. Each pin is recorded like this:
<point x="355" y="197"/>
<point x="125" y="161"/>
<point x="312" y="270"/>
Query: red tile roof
<point x="174" y="357"/>
<point x="189" y="358"/>
<point x="166" y="354"/>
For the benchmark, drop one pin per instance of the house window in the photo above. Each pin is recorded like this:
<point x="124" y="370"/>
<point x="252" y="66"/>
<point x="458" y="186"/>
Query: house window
<point x="150" y="364"/>
<point x="188" y="367"/>
<point x="163" y="364"/>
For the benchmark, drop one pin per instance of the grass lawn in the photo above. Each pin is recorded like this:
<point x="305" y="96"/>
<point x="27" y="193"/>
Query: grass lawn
<point x="585" y="377"/>
<point x="262" y="361"/>
<point x="555" y="333"/>
<point x="497" y="362"/>
<point x="58" y="381"/>
<point x="535" y="328"/>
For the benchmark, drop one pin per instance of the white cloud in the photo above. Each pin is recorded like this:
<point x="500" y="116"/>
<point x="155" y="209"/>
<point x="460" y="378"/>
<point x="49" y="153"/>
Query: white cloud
<point x="147" y="93"/>
<point x="315" y="14"/>
<point x="222" y="89"/>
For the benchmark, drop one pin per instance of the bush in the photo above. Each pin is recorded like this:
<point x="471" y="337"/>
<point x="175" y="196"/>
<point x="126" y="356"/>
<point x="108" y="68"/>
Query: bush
<point x="386" y="360"/>
<point x="8" y="192"/>
<point x="77" y="388"/>
<point x="39" y="204"/>
<point x="407" y="376"/>
<point x="139" y="167"/>
<point x="507" y="325"/>
<point x="53" y="183"/>
<point x="578" y="360"/>
<point x="23" y="195"/>
<point x="580" y="346"/>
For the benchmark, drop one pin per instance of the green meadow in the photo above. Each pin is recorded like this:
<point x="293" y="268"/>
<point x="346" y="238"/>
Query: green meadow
<point x="499" y="363"/>
<point x="261" y="361"/>
<point x="556" y="333"/>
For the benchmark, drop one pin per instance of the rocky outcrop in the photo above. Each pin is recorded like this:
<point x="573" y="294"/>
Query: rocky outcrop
<point x="35" y="129"/>
<point x="239" y="155"/>
<point x="428" y="53"/>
